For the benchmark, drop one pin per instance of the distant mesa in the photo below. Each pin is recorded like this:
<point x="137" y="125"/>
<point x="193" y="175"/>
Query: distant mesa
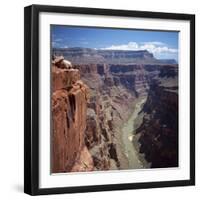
<point x="168" y="61"/>
<point x="79" y="55"/>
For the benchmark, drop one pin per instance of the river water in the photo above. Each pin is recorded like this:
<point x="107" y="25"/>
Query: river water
<point x="127" y="137"/>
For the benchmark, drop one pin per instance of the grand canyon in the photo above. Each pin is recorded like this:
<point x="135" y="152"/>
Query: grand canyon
<point x="113" y="110"/>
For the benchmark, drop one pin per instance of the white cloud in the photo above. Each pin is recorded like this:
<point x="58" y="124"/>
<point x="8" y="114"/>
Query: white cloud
<point x="54" y="44"/>
<point x="155" y="43"/>
<point x="58" y="40"/>
<point x="159" y="49"/>
<point x="129" y="46"/>
<point x="58" y="45"/>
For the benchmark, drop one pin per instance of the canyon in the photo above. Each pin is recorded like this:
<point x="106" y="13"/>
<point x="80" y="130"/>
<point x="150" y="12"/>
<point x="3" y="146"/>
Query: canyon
<point x="113" y="110"/>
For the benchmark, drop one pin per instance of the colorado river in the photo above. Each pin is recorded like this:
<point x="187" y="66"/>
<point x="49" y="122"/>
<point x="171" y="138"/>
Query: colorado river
<point x="127" y="137"/>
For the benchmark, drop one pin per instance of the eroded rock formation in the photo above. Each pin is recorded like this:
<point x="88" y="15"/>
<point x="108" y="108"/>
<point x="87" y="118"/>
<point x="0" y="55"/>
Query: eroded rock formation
<point x="69" y="107"/>
<point x="158" y="133"/>
<point x="114" y="91"/>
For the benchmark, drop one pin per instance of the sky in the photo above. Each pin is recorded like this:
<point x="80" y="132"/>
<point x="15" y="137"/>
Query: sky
<point x="163" y="44"/>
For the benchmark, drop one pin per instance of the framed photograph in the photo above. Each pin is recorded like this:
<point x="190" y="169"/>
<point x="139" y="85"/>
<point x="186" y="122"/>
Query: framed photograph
<point x="109" y="100"/>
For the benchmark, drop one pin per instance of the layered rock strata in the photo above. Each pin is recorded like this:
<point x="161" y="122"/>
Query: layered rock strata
<point x="158" y="133"/>
<point x="69" y="107"/>
<point x="114" y="91"/>
<point x="78" y="55"/>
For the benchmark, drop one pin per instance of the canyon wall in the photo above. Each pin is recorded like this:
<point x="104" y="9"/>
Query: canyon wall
<point x="114" y="91"/>
<point x="69" y="107"/>
<point x="158" y="133"/>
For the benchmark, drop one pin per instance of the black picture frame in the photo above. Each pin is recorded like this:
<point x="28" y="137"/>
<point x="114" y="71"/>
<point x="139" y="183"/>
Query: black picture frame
<point x="31" y="99"/>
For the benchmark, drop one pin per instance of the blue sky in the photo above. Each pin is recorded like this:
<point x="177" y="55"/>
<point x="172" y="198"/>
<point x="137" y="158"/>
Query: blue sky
<point x="163" y="44"/>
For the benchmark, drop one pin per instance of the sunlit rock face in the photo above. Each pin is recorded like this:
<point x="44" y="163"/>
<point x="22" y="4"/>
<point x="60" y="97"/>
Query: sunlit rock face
<point x="69" y="107"/>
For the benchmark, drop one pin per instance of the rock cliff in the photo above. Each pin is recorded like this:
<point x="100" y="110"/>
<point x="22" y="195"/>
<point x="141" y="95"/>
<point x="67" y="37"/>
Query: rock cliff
<point x="158" y="133"/>
<point x="69" y="107"/>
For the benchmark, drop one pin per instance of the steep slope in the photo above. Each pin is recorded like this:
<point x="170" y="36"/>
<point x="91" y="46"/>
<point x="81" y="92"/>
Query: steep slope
<point x="158" y="133"/>
<point x="69" y="107"/>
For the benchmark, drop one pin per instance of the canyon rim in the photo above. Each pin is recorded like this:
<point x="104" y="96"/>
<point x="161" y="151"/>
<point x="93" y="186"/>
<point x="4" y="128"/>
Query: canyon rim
<point x="114" y="99"/>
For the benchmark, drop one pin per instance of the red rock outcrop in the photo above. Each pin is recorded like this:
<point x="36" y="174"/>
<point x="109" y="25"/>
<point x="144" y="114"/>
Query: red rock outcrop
<point x="69" y="107"/>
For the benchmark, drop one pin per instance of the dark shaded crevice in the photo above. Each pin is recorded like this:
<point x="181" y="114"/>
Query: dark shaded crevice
<point x="113" y="153"/>
<point x="67" y="120"/>
<point x="72" y="102"/>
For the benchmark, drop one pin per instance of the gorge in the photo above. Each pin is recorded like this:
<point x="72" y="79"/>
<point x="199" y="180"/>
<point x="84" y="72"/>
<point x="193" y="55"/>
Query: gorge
<point x="113" y="110"/>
